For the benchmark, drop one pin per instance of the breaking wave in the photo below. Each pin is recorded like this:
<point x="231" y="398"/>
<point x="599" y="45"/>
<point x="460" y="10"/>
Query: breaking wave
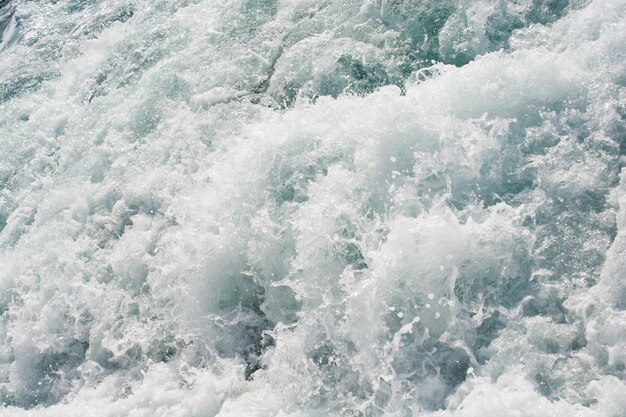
<point x="304" y="208"/>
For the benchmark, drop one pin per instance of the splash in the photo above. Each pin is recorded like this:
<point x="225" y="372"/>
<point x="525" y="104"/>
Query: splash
<point x="305" y="208"/>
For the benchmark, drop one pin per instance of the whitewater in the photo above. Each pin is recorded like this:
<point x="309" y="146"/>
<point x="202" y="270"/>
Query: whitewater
<point x="302" y="208"/>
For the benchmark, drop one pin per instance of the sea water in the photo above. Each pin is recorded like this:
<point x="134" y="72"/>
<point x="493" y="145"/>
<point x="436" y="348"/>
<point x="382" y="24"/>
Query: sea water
<point x="304" y="208"/>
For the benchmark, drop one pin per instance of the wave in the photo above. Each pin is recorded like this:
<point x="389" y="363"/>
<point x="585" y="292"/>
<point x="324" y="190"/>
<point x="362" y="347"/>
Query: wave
<point x="304" y="208"/>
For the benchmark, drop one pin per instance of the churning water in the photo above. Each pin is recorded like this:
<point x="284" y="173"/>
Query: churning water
<point x="305" y="208"/>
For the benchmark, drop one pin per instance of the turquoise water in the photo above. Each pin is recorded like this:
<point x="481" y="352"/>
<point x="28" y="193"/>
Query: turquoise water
<point x="313" y="208"/>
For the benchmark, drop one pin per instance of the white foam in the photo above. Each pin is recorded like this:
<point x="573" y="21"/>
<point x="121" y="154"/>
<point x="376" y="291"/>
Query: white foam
<point x="166" y="217"/>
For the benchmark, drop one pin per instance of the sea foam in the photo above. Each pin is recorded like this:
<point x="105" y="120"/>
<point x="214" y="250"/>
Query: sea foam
<point x="372" y="208"/>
